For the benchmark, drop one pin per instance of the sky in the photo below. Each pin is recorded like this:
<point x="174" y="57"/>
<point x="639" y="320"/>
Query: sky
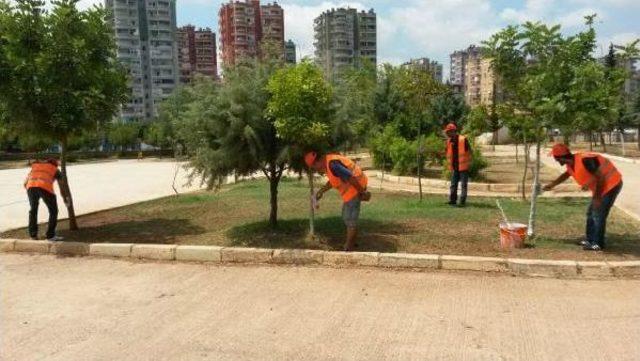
<point x="435" y="28"/>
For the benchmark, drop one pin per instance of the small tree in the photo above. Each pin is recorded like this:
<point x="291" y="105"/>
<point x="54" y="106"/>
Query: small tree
<point x="301" y="105"/>
<point x="124" y="135"/>
<point x="449" y="108"/>
<point x="537" y="66"/>
<point x="59" y="73"/>
<point x="354" y="98"/>
<point x="228" y="131"/>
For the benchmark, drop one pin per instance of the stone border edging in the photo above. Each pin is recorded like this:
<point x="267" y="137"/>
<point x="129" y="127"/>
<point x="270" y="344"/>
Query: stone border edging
<point x="236" y="255"/>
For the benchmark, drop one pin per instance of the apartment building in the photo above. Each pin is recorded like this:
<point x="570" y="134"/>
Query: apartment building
<point x="429" y="66"/>
<point x="345" y="38"/>
<point x="145" y="35"/>
<point x="245" y="26"/>
<point x="290" y="52"/>
<point x="197" y="53"/>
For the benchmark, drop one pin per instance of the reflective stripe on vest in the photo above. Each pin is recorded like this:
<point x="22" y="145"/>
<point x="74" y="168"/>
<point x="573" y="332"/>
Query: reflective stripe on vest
<point x="464" y="157"/>
<point x="42" y="175"/>
<point x="347" y="191"/>
<point x="583" y="177"/>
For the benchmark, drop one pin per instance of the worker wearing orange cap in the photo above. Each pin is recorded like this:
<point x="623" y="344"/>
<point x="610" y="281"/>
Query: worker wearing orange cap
<point x="459" y="159"/>
<point x="348" y="179"/>
<point x="592" y="172"/>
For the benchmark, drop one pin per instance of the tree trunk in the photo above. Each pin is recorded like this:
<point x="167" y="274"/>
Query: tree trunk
<point x="312" y="211"/>
<point x="65" y="189"/>
<point x="420" y="167"/>
<point x="274" y="180"/>
<point x="534" y="193"/>
<point x="622" y="145"/>
<point x="384" y="164"/>
<point x="517" y="160"/>
<point x="638" y="136"/>
<point x="590" y="141"/>
<point x="526" y="170"/>
<point x="494" y="139"/>
<point x="603" y="143"/>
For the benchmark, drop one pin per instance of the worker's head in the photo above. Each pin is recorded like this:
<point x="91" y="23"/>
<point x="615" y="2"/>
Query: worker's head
<point x="562" y="154"/>
<point x="451" y="130"/>
<point x="52" y="161"/>
<point x="314" y="161"/>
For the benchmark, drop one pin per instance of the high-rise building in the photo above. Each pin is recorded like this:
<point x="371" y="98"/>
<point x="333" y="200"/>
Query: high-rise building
<point x="290" y="52"/>
<point x="145" y="34"/>
<point x="429" y="66"/>
<point x="245" y="26"/>
<point x="473" y="76"/>
<point x="456" y="73"/>
<point x="345" y="38"/>
<point x="197" y="53"/>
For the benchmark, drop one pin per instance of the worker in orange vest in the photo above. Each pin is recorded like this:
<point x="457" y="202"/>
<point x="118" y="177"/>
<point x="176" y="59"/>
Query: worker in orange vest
<point x="592" y="172"/>
<point x="459" y="159"/>
<point x="348" y="179"/>
<point x="39" y="184"/>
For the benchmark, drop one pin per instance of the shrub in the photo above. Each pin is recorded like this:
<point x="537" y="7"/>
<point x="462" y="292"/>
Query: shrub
<point x="403" y="156"/>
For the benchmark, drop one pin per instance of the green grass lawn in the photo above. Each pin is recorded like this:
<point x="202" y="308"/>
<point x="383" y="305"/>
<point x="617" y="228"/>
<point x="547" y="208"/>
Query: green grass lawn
<point x="391" y="222"/>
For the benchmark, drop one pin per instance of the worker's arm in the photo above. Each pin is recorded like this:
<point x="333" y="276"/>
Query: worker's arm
<point x="323" y="190"/>
<point x="364" y="195"/>
<point x="597" y="195"/>
<point x="563" y="177"/>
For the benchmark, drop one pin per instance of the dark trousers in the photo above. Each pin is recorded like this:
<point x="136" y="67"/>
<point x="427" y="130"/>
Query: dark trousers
<point x="597" y="218"/>
<point x="463" y="178"/>
<point x="49" y="199"/>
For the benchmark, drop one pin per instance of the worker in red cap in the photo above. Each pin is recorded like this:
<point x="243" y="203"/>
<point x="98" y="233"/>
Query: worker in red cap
<point x="348" y="179"/>
<point x="39" y="185"/>
<point x="592" y="172"/>
<point x="459" y="159"/>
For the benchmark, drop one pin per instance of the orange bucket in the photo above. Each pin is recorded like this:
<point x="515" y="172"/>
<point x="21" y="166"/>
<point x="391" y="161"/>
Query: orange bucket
<point x="512" y="235"/>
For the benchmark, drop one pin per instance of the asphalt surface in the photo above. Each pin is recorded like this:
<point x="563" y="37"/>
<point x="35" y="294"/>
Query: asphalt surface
<point x="101" y="309"/>
<point x="94" y="187"/>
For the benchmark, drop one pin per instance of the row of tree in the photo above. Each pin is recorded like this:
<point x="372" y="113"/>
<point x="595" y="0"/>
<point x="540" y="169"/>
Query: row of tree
<point x="110" y="137"/>
<point x="61" y="82"/>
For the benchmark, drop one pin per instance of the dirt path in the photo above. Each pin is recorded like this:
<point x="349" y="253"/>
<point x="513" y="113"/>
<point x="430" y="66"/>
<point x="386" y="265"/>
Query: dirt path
<point x="97" y="309"/>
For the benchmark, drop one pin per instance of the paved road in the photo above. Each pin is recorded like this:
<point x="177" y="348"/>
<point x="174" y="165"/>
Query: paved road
<point x="94" y="186"/>
<point x="100" y="309"/>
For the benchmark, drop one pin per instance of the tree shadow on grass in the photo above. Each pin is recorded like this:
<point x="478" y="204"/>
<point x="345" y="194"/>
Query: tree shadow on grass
<point x="156" y="230"/>
<point x="374" y="236"/>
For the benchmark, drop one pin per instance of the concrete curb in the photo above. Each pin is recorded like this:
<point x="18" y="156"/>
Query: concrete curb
<point x="218" y="255"/>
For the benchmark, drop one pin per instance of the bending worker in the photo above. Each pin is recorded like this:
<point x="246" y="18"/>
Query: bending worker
<point x="348" y="179"/>
<point x="39" y="184"/>
<point x="459" y="159"/>
<point x="596" y="173"/>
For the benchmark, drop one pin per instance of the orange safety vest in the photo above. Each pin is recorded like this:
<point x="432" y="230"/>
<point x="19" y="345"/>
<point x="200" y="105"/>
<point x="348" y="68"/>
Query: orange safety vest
<point x="347" y="191"/>
<point x="42" y="175"/>
<point x="583" y="177"/>
<point x="464" y="157"/>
